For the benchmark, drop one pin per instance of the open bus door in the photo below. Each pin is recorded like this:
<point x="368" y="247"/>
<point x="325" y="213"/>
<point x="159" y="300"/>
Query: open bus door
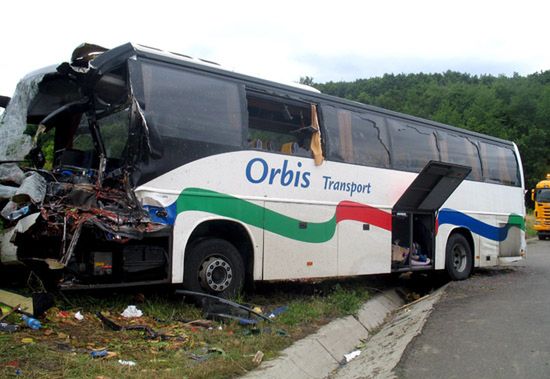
<point x="414" y="214"/>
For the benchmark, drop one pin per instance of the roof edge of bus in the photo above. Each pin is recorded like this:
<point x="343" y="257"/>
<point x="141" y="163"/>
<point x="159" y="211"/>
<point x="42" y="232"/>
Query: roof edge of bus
<point x="215" y="65"/>
<point x="118" y="54"/>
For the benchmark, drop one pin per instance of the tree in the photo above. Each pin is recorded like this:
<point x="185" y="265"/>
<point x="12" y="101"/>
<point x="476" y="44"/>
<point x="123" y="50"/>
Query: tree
<point x="307" y="80"/>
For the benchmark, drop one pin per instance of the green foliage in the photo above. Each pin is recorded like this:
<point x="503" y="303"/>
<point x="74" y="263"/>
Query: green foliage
<point x="307" y="80"/>
<point x="515" y="108"/>
<point x="347" y="301"/>
<point x="339" y="301"/>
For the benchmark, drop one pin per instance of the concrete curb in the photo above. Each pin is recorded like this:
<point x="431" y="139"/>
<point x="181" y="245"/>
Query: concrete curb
<point x="384" y="350"/>
<point x="317" y="355"/>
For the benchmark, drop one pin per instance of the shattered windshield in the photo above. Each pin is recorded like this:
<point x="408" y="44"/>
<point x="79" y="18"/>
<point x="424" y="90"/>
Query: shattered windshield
<point x="14" y="143"/>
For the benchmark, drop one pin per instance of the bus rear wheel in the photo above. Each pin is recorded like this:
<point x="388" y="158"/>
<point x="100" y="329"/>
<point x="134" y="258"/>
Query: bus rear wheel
<point x="214" y="266"/>
<point x="458" y="257"/>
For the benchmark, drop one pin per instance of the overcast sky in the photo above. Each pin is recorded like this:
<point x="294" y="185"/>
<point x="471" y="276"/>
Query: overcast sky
<point x="283" y="40"/>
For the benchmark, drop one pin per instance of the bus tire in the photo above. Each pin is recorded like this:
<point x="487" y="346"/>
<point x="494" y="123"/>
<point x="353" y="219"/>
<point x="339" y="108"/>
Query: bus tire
<point x="458" y="257"/>
<point x="214" y="266"/>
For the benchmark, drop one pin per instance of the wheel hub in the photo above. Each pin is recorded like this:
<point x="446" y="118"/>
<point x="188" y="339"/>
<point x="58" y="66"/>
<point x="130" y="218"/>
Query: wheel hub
<point x="459" y="259"/>
<point x="215" y="274"/>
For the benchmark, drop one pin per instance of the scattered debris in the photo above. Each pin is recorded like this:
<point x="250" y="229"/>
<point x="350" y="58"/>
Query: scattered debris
<point x="79" y="316"/>
<point x="224" y="317"/>
<point x="13" y="364"/>
<point x="277" y="311"/>
<point x="8" y="328"/>
<point x="11" y="299"/>
<point x="206" y="353"/>
<point x="258" y="357"/>
<point x="12" y="310"/>
<point x="226" y="309"/>
<point x="352" y="355"/>
<point x="150" y="333"/>
<point x="31" y="322"/>
<point x="62" y="346"/>
<point x="200" y="323"/>
<point x="131" y="312"/>
<point x="27" y="340"/>
<point x="99" y="354"/>
<point x="127" y="363"/>
<point x="251" y="331"/>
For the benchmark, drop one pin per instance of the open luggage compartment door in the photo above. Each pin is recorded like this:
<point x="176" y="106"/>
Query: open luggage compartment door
<point x="432" y="187"/>
<point x="413" y="216"/>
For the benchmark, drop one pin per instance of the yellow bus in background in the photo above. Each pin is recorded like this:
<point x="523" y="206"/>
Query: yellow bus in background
<point x="541" y="197"/>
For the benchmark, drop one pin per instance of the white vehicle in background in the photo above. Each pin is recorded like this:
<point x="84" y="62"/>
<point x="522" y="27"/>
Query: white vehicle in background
<point x="152" y="167"/>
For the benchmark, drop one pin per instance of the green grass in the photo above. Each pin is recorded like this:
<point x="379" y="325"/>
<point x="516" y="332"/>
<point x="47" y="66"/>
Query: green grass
<point x="529" y="221"/>
<point x="228" y="349"/>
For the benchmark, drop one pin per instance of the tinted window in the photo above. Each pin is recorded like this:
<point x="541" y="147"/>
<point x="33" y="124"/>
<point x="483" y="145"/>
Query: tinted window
<point x="356" y="137"/>
<point x="412" y="146"/>
<point x="499" y="164"/>
<point x="188" y="116"/>
<point x="191" y="106"/>
<point x="460" y="150"/>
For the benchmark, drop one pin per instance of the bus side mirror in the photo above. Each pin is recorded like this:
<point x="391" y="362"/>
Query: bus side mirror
<point x="533" y="194"/>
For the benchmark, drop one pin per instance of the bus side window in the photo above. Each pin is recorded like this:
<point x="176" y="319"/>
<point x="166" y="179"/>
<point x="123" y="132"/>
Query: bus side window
<point x="354" y="137"/>
<point x="499" y="164"/>
<point x="413" y="145"/>
<point x="279" y="125"/>
<point x="460" y="150"/>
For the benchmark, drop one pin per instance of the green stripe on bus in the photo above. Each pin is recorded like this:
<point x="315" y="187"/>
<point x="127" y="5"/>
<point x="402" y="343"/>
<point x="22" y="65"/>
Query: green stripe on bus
<point x="197" y="199"/>
<point x="516" y="220"/>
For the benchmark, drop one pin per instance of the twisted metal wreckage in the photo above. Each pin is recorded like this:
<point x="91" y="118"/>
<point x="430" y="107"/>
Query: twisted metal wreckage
<point x="79" y="219"/>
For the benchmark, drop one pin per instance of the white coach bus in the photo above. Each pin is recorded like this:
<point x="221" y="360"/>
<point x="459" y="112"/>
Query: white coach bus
<point x="160" y="168"/>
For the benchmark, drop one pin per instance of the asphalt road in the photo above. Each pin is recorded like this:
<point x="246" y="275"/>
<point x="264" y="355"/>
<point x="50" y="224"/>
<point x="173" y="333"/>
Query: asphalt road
<point x="494" y="325"/>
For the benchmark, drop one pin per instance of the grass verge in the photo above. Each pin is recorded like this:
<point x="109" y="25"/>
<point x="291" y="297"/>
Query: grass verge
<point x="62" y="348"/>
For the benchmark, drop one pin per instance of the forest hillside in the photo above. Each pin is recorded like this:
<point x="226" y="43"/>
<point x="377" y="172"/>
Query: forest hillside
<point x="515" y="108"/>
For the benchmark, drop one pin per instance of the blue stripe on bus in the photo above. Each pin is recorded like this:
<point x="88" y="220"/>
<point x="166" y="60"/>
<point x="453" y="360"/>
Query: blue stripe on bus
<point x="162" y="215"/>
<point x="450" y="216"/>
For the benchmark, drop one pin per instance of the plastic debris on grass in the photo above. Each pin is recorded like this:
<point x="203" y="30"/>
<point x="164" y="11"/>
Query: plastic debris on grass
<point x="131" y="312"/>
<point x="127" y="363"/>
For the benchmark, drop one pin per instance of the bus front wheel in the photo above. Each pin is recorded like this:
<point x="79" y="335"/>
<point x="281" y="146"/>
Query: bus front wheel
<point x="459" y="259"/>
<point x="214" y="266"/>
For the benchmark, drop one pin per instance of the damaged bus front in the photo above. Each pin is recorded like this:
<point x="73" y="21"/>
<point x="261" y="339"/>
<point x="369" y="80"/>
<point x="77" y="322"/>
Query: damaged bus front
<point x="74" y="144"/>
